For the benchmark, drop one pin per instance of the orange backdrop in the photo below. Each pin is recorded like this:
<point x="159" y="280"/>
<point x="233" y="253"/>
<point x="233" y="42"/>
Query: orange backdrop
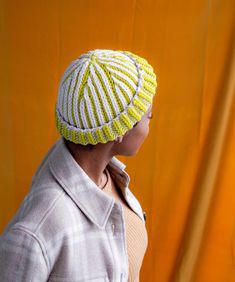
<point x="186" y="179"/>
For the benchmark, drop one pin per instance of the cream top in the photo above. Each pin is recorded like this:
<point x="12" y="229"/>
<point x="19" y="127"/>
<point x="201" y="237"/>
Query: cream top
<point x="136" y="233"/>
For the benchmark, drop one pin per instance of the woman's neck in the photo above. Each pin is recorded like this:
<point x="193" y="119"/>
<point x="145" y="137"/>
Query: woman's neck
<point x="92" y="161"/>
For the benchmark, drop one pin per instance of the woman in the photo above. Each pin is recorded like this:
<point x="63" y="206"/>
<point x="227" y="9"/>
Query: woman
<point x="80" y="221"/>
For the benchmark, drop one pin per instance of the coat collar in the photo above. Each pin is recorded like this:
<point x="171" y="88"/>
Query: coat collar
<point x="95" y="203"/>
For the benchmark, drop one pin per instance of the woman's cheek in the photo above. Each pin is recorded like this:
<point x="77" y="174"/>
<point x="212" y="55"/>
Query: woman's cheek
<point x="144" y="131"/>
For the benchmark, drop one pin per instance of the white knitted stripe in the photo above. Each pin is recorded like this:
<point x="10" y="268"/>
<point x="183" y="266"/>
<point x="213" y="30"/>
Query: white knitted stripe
<point x="115" y="102"/>
<point x="60" y="98"/>
<point x="101" y="93"/>
<point x="83" y="114"/>
<point x="84" y="55"/>
<point x="135" y="82"/>
<point x="75" y="97"/>
<point x="69" y="71"/>
<point x="124" y="57"/>
<point x="90" y="109"/>
<point x="120" y="96"/>
<point x="124" y="64"/>
<point x="133" y="74"/>
<point x="108" y="89"/>
<point x="70" y="94"/>
<point x="88" y="115"/>
<point x="123" y="86"/>
<point x="97" y="103"/>
<point x="65" y="98"/>
<point x="117" y="99"/>
<point x="105" y="52"/>
<point x="125" y="77"/>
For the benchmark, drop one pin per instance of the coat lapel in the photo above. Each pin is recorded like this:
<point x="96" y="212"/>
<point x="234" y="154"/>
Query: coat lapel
<point x="94" y="203"/>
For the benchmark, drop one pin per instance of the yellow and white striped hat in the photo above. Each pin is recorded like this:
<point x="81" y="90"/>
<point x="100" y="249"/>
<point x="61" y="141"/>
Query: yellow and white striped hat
<point x="102" y="94"/>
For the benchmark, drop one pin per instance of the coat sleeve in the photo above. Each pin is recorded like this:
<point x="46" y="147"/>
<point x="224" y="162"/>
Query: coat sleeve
<point x="22" y="257"/>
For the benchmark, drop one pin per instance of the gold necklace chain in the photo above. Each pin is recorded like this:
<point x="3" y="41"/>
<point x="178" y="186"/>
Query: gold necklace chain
<point x="106" y="179"/>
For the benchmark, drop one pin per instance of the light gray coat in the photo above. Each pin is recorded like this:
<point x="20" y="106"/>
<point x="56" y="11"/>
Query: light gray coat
<point x="67" y="229"/>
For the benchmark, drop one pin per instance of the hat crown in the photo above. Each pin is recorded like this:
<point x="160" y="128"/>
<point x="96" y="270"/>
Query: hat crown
<point x="97" y="92"/>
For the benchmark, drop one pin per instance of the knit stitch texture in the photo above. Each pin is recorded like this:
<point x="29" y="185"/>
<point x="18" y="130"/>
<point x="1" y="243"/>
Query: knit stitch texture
<point x="102" y="94"/>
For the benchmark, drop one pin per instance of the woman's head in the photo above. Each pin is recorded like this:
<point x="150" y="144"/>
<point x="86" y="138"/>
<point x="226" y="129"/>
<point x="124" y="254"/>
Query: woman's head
<point x="133" y="139"/>
<point x="104" y="96"/>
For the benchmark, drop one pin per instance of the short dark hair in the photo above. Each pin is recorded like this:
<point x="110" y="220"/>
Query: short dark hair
<point x="88" y="147"/>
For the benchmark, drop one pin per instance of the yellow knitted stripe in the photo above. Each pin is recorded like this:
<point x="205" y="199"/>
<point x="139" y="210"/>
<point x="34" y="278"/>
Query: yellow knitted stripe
<point x="93" y="105"/>
<point x="62" y="101"/>
<point x="68" y="75"/>
<point x="108" y="132"/>
<point x="67" y="132"/>
<point x="117" y="126"/>
<point x="139" y="59"/>
<point x="73" y="98"/>
<point x="81" y="137"/>
<point x="67" y="96"/>
<point x="120" y="57"/>
<point x="150" y="79"/>
<point x="144" y="65"/>
<point x="127" y="98"/>
<point x="99" y="135"/>
<point x="87" y="115"/>
<point x="61" y="128"/>
<point x="148" y="70"/>
<point x="126" y="121"/>
<point x="111" y="83"/>
<point x="150" y="82"/>
<point x="125" y="64"/>
<point x="64" y="131"/>
<point x="126" y="73"/>
<point x="89" y="137"/>
<point x="138" y="103"/>
<point x="145" y="96"/>
<point x="73" y="136"/>
<point x="149" y="88"/>
<point x="106" y="118"/>
<point x="66" y="115"/>
<point x="106" y="92"/>
<point x="128" y="66"/>
<point x="56" y="120"/>
<point x="125" y="82"/>
<point x="81" y="90"/>
<point x="134" y="113"/>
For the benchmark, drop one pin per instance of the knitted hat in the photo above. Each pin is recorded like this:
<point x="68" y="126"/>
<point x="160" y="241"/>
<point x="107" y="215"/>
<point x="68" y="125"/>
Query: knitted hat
<point x="102" y="94"/>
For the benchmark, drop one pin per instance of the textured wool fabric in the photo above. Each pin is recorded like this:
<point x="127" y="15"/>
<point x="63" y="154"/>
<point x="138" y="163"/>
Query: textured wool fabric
<point x="63" y="231"/>
<point x="136" y="233"/>
<point x="102" y="94"/>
